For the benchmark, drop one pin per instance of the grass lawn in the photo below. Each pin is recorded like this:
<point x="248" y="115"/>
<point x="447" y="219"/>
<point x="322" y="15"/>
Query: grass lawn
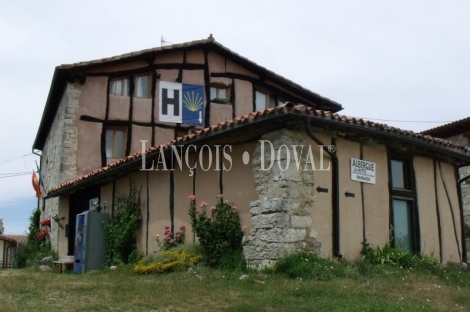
<point x="202" y="289"/>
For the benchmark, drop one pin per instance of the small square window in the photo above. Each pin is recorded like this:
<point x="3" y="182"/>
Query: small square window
<point x="219" y="95"/>
<point x="142" y="86"/>
<point x="264" y="100"/>
<point x="400" y="174"/>
<point x="115" y="142"/>
<point x="119" y="87"/>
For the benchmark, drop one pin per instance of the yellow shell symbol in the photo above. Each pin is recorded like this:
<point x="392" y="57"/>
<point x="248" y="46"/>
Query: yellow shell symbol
<point x="192" y="101"/>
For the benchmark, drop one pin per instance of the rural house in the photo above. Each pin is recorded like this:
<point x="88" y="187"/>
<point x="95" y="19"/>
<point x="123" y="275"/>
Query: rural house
<point x="458" y="132"/>
<point x="212" y="122"/>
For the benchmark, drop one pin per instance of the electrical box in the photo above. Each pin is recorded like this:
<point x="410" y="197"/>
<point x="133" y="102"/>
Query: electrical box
<point x="90" y="241"/>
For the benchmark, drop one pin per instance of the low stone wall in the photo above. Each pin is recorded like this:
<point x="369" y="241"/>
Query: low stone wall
<point x="282" y="216"/>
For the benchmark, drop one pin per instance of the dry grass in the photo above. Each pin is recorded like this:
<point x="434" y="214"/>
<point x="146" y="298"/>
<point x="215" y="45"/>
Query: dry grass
<point x="213" y="290"/>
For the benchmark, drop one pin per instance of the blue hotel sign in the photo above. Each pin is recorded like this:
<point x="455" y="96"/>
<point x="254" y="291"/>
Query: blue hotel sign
<point x="181" y="103"/>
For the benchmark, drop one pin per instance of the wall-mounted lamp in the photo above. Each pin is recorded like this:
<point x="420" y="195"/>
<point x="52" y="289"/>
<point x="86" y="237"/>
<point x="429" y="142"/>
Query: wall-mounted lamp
<point x="57" y="220"/>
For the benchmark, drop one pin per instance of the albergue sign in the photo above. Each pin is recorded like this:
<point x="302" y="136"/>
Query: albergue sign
<point x="362" y="171"/>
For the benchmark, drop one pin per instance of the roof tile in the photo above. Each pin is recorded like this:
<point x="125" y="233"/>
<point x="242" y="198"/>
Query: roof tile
<point x="240" y="120"/>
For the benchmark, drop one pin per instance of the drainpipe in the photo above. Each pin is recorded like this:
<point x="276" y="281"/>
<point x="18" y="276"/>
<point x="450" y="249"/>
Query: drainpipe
<point x="40" y="164"/>
<point x="462" y="222"/>
<point x="335" y="192"/>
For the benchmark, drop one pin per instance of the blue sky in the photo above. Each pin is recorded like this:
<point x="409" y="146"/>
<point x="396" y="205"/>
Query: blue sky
<point x="404" y="63"/>
<point x="15" y="214"/>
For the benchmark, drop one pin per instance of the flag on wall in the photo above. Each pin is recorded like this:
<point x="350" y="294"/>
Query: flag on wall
<point x="181" y="103"/>
<point x="36" y="186"/>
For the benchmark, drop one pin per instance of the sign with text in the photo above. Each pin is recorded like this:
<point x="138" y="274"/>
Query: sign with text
<point x="181" y="103"/>
<point x="362" y="171"/>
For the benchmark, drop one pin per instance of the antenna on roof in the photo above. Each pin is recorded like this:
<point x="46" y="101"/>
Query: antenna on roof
<point x="163" y="41"/>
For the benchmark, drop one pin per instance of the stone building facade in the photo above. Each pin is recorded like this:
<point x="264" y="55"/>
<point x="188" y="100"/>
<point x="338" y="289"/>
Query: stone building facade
<point x="100" y="111"/>
<point x="307" y="199"/>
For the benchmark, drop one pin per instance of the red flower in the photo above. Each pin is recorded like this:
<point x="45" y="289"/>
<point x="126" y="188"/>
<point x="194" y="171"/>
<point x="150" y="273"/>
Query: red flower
<point x="40" y="236"/>
<point x="166" y="227"/>
<point x="46" y="222"/>
<point x="46" y="232"/>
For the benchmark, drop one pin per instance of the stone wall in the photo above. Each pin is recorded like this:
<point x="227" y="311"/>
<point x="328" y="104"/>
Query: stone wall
<point x="282" y="216"/>
<point x="464" y="172"/>
<point x="58" y="162"/>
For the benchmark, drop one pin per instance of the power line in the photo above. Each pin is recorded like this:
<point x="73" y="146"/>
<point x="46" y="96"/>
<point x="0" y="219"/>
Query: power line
<point x="1" y="162"/>
<point x="24" y="172"/>
<point x="12" y="175"/>
<point x="418" y="121"/>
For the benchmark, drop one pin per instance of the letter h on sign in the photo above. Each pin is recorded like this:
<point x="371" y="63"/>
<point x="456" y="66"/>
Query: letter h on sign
<point x="167" y="102"/>
<point x="175" y="101"/>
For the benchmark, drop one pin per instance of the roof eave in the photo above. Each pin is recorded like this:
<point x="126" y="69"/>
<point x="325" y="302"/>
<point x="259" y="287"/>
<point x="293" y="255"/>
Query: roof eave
<point x="282" y="115"/>
<point x="56" y="91"/>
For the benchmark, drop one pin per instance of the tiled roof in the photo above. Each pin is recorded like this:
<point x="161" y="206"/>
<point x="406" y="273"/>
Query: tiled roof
<point x="20" y="239"/>
<point x="290" y="109"/>
<point x="450" y="129"/>
<point x="132" y="55"/>
<point x="196" y="43"/>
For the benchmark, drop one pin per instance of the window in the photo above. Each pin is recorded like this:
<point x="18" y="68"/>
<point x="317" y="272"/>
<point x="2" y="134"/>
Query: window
<point x="119" y="87"/>
<point x="219" y="94"/>
<point x="142" y="86"/>
<point x="403" y="206"/>
<point x="264" y="100"/>
<point x="115" y="138"/>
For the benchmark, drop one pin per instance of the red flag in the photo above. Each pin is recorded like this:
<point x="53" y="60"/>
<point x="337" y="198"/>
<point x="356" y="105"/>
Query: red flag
<point x="36" y="186"/>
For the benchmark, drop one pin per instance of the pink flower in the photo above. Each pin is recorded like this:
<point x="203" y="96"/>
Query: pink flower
<point x="203" y="204"/>
<point x="182" y="227"/>
<point x="192" y="197"/>
<point x="166" y="227"/>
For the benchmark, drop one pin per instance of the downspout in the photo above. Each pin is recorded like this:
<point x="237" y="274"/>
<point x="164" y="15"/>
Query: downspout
<point x="462" y="222"/>
<point x="40" y="164"/>
<point x="335" y="192"/>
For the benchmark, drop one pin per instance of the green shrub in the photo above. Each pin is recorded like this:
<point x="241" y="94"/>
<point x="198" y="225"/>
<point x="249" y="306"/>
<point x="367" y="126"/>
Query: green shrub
<point x="121" y="230"/>
<point x="34" y="251"/>
<point x="309" y="266"/>
<point x="387" y="255"/>
<point x="219" y="233"/>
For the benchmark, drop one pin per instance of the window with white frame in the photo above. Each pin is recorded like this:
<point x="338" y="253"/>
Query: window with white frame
<point x="219" y="94"/>
<point x="119" y="86"/>
<point x="115" y="142"/>
<point x="142" y="86"/>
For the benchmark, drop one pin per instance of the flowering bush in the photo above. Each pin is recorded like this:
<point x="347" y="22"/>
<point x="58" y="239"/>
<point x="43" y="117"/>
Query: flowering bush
<point x="45" y="222"/>
<point x="171" y="240"/>
<point x="219" y="233"/>
<point x="170" y="260"/>
<point x="43" y="234"/>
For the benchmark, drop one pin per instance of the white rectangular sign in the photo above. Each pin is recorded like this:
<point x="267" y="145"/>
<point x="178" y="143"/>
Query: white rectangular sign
<point x="362" y="171"/>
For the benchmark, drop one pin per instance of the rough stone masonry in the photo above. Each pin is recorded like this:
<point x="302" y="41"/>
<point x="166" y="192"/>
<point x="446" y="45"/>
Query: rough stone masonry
<point x="282" y="216"/>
